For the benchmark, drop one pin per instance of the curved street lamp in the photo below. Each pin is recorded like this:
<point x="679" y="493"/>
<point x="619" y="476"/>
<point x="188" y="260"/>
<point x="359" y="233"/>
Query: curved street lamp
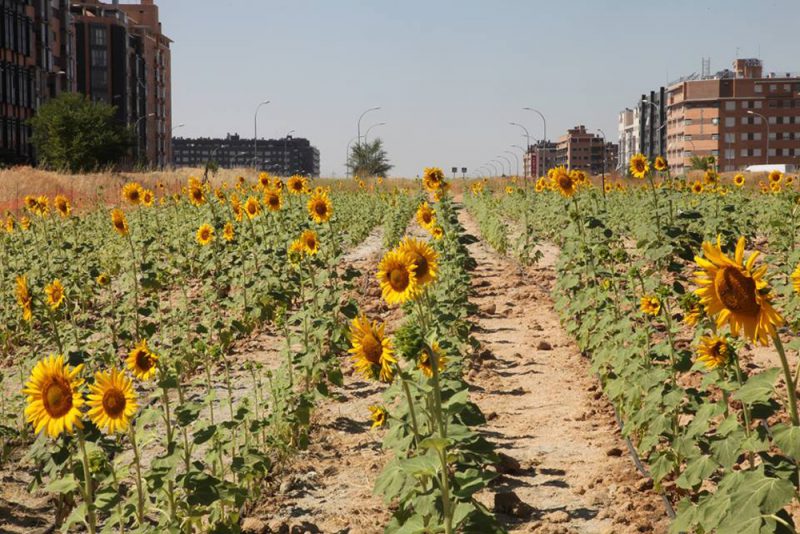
<point x="507" y="161"/>
<point x="366" y="134"/>
<point x="750" y="112"/>
<point x="347" y="158"/>
<point x="516" y="159"/>
<point x="544" y="138"/>
<point x="255" y="133"/>
<point x="361" y="117"/>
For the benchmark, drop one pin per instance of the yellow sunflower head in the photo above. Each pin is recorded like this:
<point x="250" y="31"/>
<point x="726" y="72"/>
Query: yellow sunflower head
<point x="62" y="206"/>
<point x="564" y="182"/>
<point x="30" y="203"/>
<point x="228" y="232"/>
<point x="148" y="197"/>
<point x="639" y="166"/>
<point x="733" y="293"/>
<point x="437" y="232"/>
<point x="795" y="277"/>
<point x="710" y="177"/>
<point x="119" y="221"/>
<point x="426" y="359"/>
<point x="775" y="177"/>
<point x="432" y="178"/>
<point x="132" y="193"/>
<point x="310" y="242"/>
<point x="425" y="259"/>
<point x="264" y="179"/>
<point x="371" y="349"/>
<point x="738" y="180"/>
<point x="273" y="199"/>
<point x="53" y="396"/>
<point x="660" y="164"/>
<point x="378" y="416"/>
<point x="320" y="207"/>
<point x="9" y="224"/>
<point x="112" y="401"/>
<point x="24" y="298"/>
<point x="426" y="217"/>
<point x="650" y="305"/>
<point x="297" y="184"/>
<point x="252" y="208"/>
<point x="714" y="351"/>
<point x="142" y="362"/>
<point x="103" y="279"/>
<point x="397" y="277"/>
<point x="697" y="187"/>
<point x="55" y="294"/>
<point x="205" y="234"/>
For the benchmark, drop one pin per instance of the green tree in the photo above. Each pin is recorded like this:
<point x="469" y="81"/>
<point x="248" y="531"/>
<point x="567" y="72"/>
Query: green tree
<point x="701" y="163"/>
<point x="369" y="159"/>
<point x="70" y="132"/>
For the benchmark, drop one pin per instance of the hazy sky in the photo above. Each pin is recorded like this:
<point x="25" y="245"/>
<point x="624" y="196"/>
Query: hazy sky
<point x="451" y="74"/>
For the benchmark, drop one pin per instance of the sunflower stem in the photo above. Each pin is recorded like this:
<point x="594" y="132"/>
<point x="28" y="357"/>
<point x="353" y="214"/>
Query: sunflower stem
<point x="745" y="409"/>
<point x="91" y="522"/>
<point x="445" y="475"/>
<point x="138" y="480"/>
<point x="787" y="373"/>
<point x="411" y="410"/>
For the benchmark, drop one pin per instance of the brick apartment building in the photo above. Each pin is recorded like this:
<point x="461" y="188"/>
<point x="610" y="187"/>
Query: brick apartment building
<point x="582" y="150"/>
<point x="539" y="157"/>
<point x="113" y="53"/>
<point x="740" y="117"/>
<point x="284" y="157"/>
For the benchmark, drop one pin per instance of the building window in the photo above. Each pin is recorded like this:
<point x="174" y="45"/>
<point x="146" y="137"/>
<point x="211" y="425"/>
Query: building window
<point x="731" y="105"/>
<point x="98" y="35"/>
<point x="758" y="103"/>
<point x="773" y="87"/>
<point x="715" y="120"/>
<point x="730" y="122"/>
<point x="687" y="122"/>
<point x="759" y="88"/>
<point x="744" y="153"/>
<point x="757" y="152"/>
<point x="730" y="137"/>
<point x="771" y="120"/>
<point x="772" y="136"/>
<point x="715" y="137"/>
<point x="771" y="152"/>
<point x="99" y="57"/>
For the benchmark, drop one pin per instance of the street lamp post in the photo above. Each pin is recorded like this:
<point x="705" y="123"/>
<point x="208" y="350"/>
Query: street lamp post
<point x="524" y="162"/>
<point x="501" y="165"/>
<point x="255" y="134"/>
<point x="285" y="165"/>
<point x="494" y="167"/>
<point x="507" y="161"/>
<point x="361" y="117"/>
<point x="516" y="159"/>
<point x="366" y="134"/>
<point x="544" y="139"/>
<point x="347" y="158"/>
<point x="528" y="139"/>
<point x="750" y="112"/>
<point x="603" y="152"/>
<point x="139" y="135"/>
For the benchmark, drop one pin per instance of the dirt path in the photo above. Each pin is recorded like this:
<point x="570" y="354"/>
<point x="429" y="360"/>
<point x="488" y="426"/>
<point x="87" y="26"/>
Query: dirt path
<point x="569" y="470"/>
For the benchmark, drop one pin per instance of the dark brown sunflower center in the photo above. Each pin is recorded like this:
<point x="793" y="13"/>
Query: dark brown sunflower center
<point x="311" y="243"/>
<point x="422" y="267"/>
<point x="398" y="278"/>
<point x="736" y="291"/>
<point x="274" y="200"/>
<point x="718" y="350"/>
<point x="114" y="403"/>
<point x="57" y="397"/>
<point x="372" y="348"/>
<point x="425" y="359"/>
<point x="565" y="182"/>
<point x="143" y="360"/>
<point x="321" y="208"/>
<point x="638" y="165"/>
<point x="427" y="217"/>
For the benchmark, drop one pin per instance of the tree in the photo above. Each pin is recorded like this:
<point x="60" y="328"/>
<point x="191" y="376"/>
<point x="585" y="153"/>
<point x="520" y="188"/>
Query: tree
<point x="369" y="159"/>
<point x="70" y="132"/>
<point x="701" y="163"/>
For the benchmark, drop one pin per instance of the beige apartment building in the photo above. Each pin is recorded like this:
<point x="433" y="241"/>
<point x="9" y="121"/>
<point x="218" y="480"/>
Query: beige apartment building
<point x="741" y="117"/>
<point x="585" y="151"/>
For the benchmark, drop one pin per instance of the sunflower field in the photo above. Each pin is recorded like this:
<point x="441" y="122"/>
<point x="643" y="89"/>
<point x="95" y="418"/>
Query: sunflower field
<point x="684" y="293"/>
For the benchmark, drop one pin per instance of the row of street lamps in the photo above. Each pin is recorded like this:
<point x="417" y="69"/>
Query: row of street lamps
<point x="495" y="167"/>
<point x="358" y="137"/>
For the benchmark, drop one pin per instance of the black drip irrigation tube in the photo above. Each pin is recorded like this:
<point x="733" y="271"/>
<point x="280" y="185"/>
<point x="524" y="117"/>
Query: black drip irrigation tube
<point x="635" y="456"/>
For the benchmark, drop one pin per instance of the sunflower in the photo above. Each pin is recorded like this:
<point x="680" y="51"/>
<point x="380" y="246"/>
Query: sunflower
<point x="273" y="199"/>
<point x="378" y="416"/>
<point x="660" y="164"/>
<point x="252" y="208"/>
<point x="371" y="349"/>
<point x="103" y="279"/>
<point x="738" y="180"/>
<point x="437" y="232"/>
<point x="310" y="242"/>
<point x="639" y="166"/>
<point x="296" y="250"/>
<point x="227" y="231"/>
<point x="564" y="182"/>
<point x="710" y="177"/>
<point x="789" y="180"/>
<point x="220" y="194"/>
<point x="796" y="278"/>
<point x="694" y="315"/>
<point x="264" y="179"/>
<point x="112" y="401"/>
<point x="775" y="177"/>
<point x="30" y="203"/>
<point x="540" y="185"/>
<point x="320" y="208"/>
<point x="397" y="277"/>
<point x="196" y="192"/>
<point x="132" y="193"/>
<point x="142" y="361"/>
<point x="10" y="224"/>
<point x="477" y="188"/>
<point x="608" y="187"/>
<point x="432" y="178"/>
<point x="42" y="206"/>
<point x="55" y="294"/>
<point x="205" y="234"/>
<point x="650" y="305"/>
<point x="24" y="298"/>
<point x="713" y="351"/>
<point x="697" y="187"/>
<point x="297" y="184"/>
<point x="426" y="217"/>
<point x="148" y="197"/>
<point x="775" y="187"/>
<point x="54" y="399"/>
<point x="425" y="259"/>
<point x="62" y="206"/>
<point x="734" y="293"/>
<point x="509" y="189"/>
<point x="236" y="207"/>
<point x="119" y="222"/>
<point x="424" y="360"/>
<point x="277" y="184"/>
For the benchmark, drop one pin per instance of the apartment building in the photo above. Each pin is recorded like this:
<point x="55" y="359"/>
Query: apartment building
<point x="284" y="157"/>
<point x="35" y="51"/>
<point x="586" y="151"/>
<point x="628" y="129"/>
<point x="740" y="117"/>
<point x="539" y="157"/>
